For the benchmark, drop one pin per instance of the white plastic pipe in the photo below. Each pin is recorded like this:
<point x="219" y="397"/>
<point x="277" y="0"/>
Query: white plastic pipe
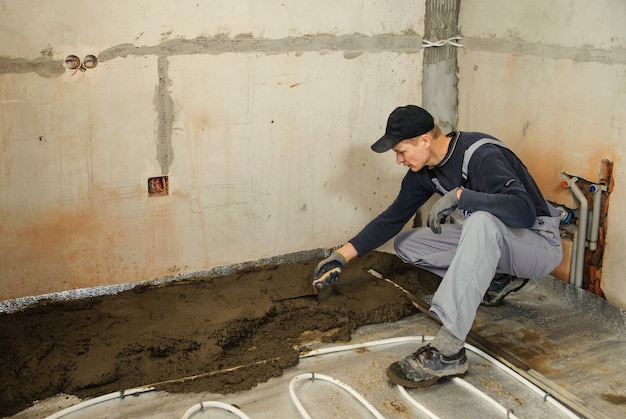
<point x="416" y="404"/>
<point x="596" y="190"/>
<point x="211" y="404"/>
<point x="546" y="396"/>
<point x="312" y="376"/>
<point x="100" y="399"/>
<point x="570" y="182"/>
<point x="572" y="262"/>
<point x="506" y="412"/>
<point x="421" y="339"/>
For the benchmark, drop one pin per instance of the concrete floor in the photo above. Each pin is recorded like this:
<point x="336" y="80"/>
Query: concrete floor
<point x="572" y="339"/>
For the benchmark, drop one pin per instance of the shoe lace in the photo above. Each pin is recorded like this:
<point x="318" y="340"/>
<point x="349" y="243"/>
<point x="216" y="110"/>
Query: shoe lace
<point x="425" y="352"/>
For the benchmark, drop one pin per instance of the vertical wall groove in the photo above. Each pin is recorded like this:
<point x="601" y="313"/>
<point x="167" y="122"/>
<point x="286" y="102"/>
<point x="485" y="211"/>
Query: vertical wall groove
<point x="440" y="81"/>
<point x="165" y="115"/>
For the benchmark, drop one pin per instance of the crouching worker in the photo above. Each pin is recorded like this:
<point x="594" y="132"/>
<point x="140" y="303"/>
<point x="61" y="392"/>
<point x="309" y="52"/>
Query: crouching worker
<point x="509" y="233"/>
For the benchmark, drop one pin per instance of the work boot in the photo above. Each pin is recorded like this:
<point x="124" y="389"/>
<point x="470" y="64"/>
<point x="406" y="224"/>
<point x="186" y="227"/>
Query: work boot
<point x="425" y="366"/>
<point x="501" y="286"/>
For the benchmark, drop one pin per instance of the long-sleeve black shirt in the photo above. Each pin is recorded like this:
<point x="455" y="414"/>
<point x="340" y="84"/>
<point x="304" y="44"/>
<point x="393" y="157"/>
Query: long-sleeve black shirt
<point x="497" y="182"/>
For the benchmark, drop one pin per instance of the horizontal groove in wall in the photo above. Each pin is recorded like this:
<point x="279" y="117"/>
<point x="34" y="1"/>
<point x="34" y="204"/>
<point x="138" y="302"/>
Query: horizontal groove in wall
<point x="402" y="43"/>
<point x="557" y="52"/>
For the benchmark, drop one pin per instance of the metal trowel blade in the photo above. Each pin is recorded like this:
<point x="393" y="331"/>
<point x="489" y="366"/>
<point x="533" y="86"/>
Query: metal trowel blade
<point x="321" y="295"/>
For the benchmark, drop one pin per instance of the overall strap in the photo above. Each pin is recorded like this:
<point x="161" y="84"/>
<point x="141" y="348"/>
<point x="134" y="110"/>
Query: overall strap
<point x="471" y="149"/>
<point x="466" y="159"/>
<point x="433" y="179"/>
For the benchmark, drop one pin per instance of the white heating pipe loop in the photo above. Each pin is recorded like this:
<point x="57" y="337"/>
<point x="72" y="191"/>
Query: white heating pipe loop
<point x="416" y="404"/>
<point x="546" y="396"/>
<point x="570" y="182"/>
<point x="507" y="412"/>
<point x="101" y="399"/>
<point x="212" y="404"/>
<point x="420" y="339"/>
<point x="411" y="339"/>
<point x="312" y="376"/>
<point x="390" y="341"/>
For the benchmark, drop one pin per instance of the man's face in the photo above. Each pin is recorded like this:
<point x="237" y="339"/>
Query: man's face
<point x="413" y="153"/>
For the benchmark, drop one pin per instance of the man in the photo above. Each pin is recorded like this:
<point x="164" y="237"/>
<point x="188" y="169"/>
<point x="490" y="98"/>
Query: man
<point x="510" y="230"/>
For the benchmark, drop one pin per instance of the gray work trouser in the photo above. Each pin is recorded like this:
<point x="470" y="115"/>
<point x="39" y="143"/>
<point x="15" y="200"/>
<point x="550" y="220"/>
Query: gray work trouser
<point x="467" y="256"/>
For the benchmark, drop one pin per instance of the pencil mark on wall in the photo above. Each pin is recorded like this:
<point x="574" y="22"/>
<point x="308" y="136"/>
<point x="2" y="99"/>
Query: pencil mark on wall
<point x="225" y="195"/>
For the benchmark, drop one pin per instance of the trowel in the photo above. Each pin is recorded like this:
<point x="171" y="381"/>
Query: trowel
<point x="321" y="295"/>
<point x="300" y="291"/>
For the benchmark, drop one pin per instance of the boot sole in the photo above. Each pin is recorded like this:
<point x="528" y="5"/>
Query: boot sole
<point x="500" y="298"/>
<point x="401" y="381"/>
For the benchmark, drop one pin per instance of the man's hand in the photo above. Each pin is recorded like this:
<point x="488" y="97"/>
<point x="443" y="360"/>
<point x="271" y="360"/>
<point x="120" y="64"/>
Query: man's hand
<point x="328" y="271"/>
<point x="441" y="209"/>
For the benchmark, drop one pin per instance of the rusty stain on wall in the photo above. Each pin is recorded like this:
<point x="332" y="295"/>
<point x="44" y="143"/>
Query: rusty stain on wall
<point x="85" y="246"/>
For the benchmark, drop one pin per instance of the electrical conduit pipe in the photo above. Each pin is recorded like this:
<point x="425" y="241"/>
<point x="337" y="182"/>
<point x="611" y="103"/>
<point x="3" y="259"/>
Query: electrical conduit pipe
<point x="570" y="182"/>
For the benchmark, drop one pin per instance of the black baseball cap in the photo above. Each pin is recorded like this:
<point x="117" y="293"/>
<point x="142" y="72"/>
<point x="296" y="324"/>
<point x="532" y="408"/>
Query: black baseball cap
<point x="404" y="122"/>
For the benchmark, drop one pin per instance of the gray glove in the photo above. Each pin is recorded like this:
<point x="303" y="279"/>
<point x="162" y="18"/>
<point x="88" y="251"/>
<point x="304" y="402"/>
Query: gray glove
<point x="441" y="209"/>
<point x="328" y="271"/>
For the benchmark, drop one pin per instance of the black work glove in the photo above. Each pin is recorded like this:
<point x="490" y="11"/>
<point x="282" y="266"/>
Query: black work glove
<point x="442" y="208"/>
<point x="328" y="271"/>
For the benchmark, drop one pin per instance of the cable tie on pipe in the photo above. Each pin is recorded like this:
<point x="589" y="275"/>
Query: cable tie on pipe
<point x="451" y="41"/>
<point x="122" y="395"/>
<point x="545" y="397"/>
<point x="312" y="376"/>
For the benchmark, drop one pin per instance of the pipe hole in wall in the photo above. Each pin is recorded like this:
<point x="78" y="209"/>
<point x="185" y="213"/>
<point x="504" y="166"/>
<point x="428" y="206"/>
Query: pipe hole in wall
<point x="90" y="61"/>
<point x="158" y="186"/>
<point x="72" y="62"/>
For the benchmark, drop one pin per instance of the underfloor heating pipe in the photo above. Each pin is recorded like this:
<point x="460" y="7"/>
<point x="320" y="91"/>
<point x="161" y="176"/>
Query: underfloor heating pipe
<point x="316" y="352"/>
<point x="421" y="339"/>
<point x="213" y="404"/>
<point x="328" y="350"/>
<point x="545" y="395"/>
<point x="312" y="376"/>
<point x="101" y="399"/>
<point x="570" y="182"/>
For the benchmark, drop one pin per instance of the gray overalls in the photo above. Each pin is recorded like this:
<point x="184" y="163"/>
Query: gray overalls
<point x="468" y="256"/>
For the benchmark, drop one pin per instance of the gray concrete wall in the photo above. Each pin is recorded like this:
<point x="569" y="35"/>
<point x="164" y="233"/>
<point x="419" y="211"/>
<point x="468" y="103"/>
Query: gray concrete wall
<point x="261" y="115"/>
<point x="549" y="78"/>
